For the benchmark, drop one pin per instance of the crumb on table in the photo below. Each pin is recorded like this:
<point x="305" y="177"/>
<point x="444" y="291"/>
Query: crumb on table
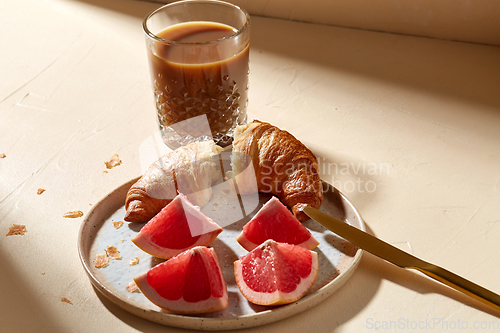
<point x="114" y="253"/>
<point x="17" y="229"/>
<point x="73" y="214"/>
<point x="114" y="161"/>
<point x="65" y="300"/>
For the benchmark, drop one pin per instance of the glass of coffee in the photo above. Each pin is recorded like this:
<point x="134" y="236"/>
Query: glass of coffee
<point x="198" y="54"/>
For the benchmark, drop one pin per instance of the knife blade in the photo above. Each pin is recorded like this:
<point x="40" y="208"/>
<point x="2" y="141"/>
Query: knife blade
<point x="401" y="258"/>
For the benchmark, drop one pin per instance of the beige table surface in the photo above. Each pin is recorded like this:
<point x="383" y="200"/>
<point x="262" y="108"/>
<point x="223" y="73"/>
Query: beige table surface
<point x="406" y="127"/>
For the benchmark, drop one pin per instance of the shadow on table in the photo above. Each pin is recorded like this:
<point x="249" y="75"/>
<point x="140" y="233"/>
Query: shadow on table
<point x="22" y="307"/>
<point x="392" y="64"/>
<point x="451" y="85"/>
<point x="418" y="282"/>
<point x="462" y="71"/>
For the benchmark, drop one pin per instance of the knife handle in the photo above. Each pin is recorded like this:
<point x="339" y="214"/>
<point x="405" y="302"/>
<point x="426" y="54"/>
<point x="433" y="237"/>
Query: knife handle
<point x="459" y="283"/>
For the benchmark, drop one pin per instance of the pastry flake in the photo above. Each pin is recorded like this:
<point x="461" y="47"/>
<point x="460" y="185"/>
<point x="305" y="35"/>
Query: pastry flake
<point x="101" y="260"/>
<point x="113" y="161"/>
<point x="17" y="230"/>
<point x="132" y="287"/>
<point x="113" y="253"/>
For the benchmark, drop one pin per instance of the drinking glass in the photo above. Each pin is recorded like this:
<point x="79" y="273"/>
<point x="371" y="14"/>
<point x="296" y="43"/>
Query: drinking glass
<point x="198" y="52"/>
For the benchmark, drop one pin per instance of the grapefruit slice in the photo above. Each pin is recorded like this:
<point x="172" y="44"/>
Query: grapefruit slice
<point x="176" y="228"/>
<point x="192" y="282"/>
<point x="275" y="221"/>
<point x="276" y="273"/>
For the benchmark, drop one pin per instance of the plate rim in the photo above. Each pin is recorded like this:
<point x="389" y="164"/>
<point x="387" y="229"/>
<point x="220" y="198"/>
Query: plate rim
<point x="211" y="324"/>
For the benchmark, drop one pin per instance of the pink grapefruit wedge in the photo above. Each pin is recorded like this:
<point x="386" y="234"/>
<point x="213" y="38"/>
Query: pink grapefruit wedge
<point x="176" y="228"/>
<point x="192" y="282"/>
<point x="276" y="273"/>
<point x="275" y="221"/>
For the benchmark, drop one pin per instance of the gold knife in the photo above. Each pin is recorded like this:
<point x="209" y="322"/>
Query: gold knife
<point x="402" y="259"/>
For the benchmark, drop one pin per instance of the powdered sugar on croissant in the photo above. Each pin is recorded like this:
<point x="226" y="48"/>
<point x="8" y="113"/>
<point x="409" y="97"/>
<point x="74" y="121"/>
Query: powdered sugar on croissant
<point x="190" y="170"/>
<point x="283" y="166"/>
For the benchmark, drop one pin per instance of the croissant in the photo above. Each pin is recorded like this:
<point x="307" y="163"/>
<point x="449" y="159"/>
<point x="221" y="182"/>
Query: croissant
<point x="190" y="170"/>
<point x="283" y="166"/>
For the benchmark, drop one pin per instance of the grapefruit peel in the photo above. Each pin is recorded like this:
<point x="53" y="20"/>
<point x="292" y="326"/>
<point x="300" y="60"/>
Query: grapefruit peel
<point x="178" y="227"/>
<point x="190" y="283"/>
<point x="276" y="273"/>
<point x="275" y="221"/>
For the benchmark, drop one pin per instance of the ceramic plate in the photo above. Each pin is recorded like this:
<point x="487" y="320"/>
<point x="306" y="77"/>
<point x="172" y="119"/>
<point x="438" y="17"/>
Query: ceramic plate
<point x="337" y="260"/>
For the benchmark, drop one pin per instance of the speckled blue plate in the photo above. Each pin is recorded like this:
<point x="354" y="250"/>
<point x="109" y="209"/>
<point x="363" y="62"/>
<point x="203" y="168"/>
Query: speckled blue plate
<point x="337" y="260"/>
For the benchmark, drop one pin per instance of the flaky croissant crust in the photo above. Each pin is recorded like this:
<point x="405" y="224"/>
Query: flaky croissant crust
<point x="188" y="169"/>
<point x="283" y="165"/>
